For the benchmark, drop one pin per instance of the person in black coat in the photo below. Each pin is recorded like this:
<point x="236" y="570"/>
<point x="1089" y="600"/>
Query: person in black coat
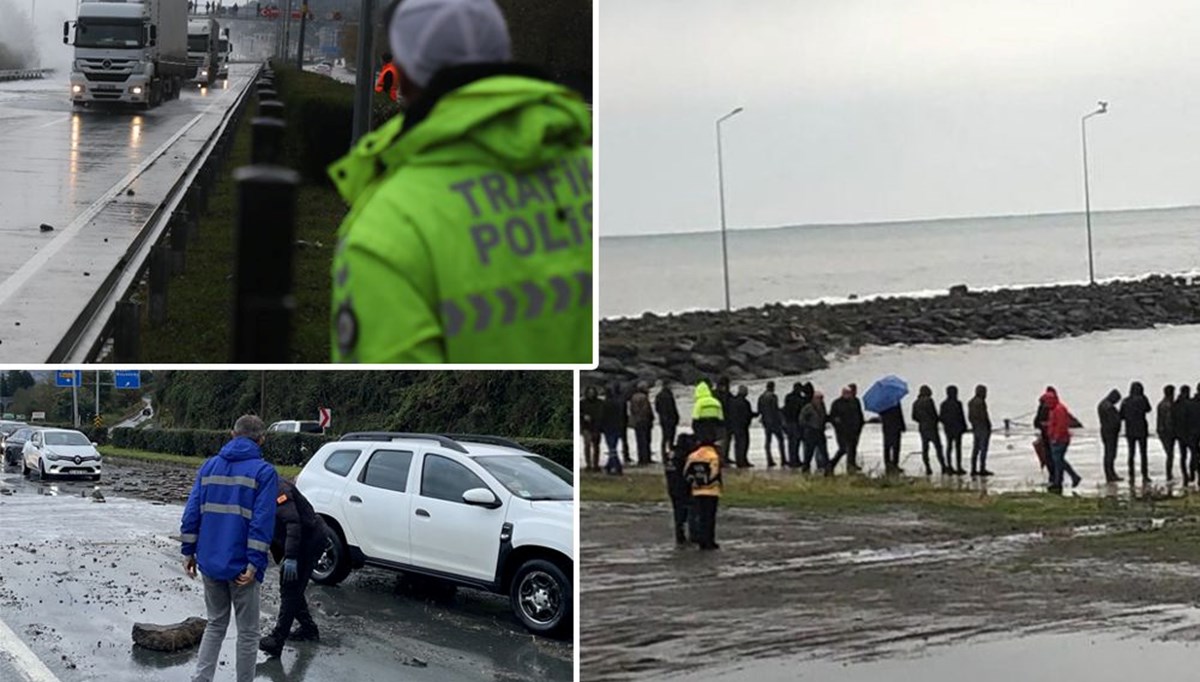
<point x="772" y="422"/>
<point x="613" y="425"/>
<point x="668" y="416"/>
<point x="792" y="404"/>
<point x="954" y="421"/>
<point x="300" y="537"/>
<point x="925" y="414"/>
<point x="892" y="421"/>
<point x="738" y="416"/>
<point x="1110" y="433"/>
<point x="591" y="415"/>
<point x="981" y="431"/>
<point x="724" y="395"/>
<point x="1134" y="409"/>
<point x="1165" y="429"/>
<point x="846" y="415"/>
<point x="1184" y="429"/>
<point x="1192" y="416"/>
<point x="677" y="487"/>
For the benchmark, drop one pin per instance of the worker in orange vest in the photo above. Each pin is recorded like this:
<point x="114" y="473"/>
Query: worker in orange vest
<point x="389" y="78"/>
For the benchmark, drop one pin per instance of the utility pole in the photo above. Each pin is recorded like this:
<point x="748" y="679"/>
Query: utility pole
<point x="300" y="47"/>
<point x="366" y="70"/>
<point x="75" y="395"/>
<point x="97" y="393"/>
<point x="262" y="395"/>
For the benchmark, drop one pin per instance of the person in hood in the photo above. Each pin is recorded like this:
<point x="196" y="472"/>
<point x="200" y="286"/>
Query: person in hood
<point x="724" y="396"/>
<point x="1185" y="430"/>
<point x="772" y="422"/>
<point x="981" y="431"/>
<point x="668" y="416"/>
<point x="702" y="469"/>
<point x="739" y="414"/>
<point x="613" y="426"/>
<point x="227" y="527"/>
<point x="1058" y="430"/>
<point x="925" y="414"/>
<point x="792" y="404"/>
<point x="299" y="540"/>
<point x="812" y="419"/>
<point x="1165" y="428"/>
<point x="641" y="417"/>
<point x="591" y="417"/>
<point x="1110" y="433"/>
<point x="469" y="235"/>
<point x="1192" y="416"/>
<point x="1133" y="412"/>
<point x="954" y="421"/>
<point x="892" y="422"/>
<point x="678" y="490"/>
<point x="846" y="415"/>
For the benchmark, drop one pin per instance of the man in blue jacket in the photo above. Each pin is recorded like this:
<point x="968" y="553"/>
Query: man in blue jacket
<point x="226" y="530"/>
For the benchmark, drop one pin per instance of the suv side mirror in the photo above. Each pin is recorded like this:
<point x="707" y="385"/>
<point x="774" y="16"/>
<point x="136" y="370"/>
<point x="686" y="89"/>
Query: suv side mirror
<point x="481" y="497"/>
<point x="153" y="35"/>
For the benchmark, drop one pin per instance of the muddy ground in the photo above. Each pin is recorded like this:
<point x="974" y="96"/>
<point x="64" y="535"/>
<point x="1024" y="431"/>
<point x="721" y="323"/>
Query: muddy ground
<point x="872" y="596"/>
<point x="76" y="573"/>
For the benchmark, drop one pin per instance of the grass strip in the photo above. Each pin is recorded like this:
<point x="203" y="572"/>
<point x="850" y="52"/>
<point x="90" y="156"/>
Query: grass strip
<point x="176" y="460"/>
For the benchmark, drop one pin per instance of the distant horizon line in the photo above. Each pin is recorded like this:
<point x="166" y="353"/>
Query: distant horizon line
<point x="893" y="222"/>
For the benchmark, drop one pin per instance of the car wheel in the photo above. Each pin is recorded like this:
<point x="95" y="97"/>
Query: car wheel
<point x="42" y="471"/>
<point x="24" y="468"/>
<point x="541" y="598"/>
<point x="332" y="565"/>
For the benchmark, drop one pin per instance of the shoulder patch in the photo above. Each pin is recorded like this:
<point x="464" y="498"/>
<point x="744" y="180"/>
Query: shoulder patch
<point x="346" y="328"/>
<point x="281" y="499"/>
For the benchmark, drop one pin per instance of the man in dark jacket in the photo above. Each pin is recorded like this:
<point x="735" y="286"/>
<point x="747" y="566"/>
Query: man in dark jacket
<point x="792" y="404"/>
<point x="1110" y="433"/>
<point x="846" y="415"/>
<point x="612" y="425"/>
<point x="955" y="423"/>
<point x="300" y="537"/>
<point x="591" y="414"/>
<point x="925" y="414"/>
<point x="772" y="422"/>
<point x="668" y="416"/>
<point x="226" y="530"/>
<point x="892" y="422"/>
<point x="1185" y="430"/>
<point x="1165" y="429"/>
<point x="981" y="431"/>
<point x="812" y="421"/>
<point x="1192" y="415"/>
<point x="738" y="416"/>
<point x="641" y="418"/>
<point x="1134" y="409"/>
<point x="677" y="487"/>
<point x="724" y="396"/>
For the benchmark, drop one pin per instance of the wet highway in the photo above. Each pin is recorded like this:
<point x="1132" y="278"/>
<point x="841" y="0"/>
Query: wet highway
<point x="76" y="574"/>
<point x="94" y="175"/>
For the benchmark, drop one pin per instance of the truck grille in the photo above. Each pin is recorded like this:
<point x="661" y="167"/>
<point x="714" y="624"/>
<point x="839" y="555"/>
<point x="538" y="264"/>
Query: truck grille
<point x="107" y="77"/>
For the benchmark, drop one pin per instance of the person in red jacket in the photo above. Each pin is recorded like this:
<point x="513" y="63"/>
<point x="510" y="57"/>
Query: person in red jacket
<point x="1058" y="432"/>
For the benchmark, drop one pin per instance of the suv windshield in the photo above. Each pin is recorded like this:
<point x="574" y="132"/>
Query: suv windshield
<point x="108" y="33"/>
<point x="66" y="438"/>
<point x="531" y="477"/>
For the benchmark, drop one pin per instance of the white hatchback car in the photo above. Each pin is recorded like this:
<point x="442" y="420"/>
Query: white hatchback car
<point x="476" y="511"/>
<point x="60" y="452"/>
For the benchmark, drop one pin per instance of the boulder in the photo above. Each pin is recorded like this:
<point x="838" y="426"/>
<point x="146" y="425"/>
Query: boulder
<point x="754" y="348"/>
<point x="183" y="635"/>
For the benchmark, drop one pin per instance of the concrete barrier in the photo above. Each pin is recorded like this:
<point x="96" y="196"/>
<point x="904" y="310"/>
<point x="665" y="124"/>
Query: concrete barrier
<point x="24" y="74"/>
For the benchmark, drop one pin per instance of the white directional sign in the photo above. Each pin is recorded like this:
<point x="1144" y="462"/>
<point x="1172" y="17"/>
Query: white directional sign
<point x="325" y="415"/>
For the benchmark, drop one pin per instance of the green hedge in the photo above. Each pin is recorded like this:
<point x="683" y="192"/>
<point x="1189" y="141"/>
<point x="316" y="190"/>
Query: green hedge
<point x="279" y="448"/>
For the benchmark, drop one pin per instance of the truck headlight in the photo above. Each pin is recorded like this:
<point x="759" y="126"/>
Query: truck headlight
<point x="76" y="89"/>
<point x="137" y="89"/>
<point x="203" y="73"/>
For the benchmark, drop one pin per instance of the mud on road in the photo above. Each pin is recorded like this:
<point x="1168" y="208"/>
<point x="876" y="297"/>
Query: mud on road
<point x="76" y="573"/>
<point x="792" y="596"/>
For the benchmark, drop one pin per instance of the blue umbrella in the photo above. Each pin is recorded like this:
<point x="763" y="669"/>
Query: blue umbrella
<point x="885" y="394"/>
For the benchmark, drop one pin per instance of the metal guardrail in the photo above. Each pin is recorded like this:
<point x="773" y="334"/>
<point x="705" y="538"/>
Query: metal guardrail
<point x="24" y="74"/>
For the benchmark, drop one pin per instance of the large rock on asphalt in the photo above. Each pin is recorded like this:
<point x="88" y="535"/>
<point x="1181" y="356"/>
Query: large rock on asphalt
<point x="184" y="635"/>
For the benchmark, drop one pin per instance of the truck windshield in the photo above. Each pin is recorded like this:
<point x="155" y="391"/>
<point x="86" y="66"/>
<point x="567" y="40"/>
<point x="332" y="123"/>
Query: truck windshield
<point x="223" y="46"/>
<point x="198" y="43"/>
<point x="531" y="477"/>
<point x="108" y="33"/>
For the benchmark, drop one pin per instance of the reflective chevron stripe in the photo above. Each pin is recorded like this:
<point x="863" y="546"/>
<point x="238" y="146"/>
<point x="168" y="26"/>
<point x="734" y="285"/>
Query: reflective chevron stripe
<point x="481" y="307"/>
<point x="188" y="537"/>
<point x="229" y="480"/>
<point x="259" y="545"/>
<point x="214" y="508"/>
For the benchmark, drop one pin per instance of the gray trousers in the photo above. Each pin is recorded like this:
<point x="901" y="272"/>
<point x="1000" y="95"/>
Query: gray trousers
<point x="219" y="596"/>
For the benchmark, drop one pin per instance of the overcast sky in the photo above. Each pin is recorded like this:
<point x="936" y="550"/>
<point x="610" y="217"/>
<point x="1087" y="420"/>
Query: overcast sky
<point x="860" y="110"/>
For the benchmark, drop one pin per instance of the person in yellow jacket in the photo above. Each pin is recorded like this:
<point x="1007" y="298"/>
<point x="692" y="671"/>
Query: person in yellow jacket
<point x="469" y="236"/>
<point x="702" y="470"/>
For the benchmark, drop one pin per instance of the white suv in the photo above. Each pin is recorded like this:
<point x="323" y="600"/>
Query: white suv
<point x="477" y="511"/>
<point x="55" y="452"/>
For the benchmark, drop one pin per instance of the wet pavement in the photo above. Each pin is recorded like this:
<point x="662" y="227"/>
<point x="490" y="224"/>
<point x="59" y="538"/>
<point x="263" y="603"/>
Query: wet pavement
<point x="870" y="597"/>
<point x="94" y="175"/>
<point x="76" y="573"/>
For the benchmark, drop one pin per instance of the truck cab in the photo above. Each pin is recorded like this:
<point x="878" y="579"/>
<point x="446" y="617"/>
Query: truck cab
<point x="202" y="50"/>
<point x="224" y="50"/>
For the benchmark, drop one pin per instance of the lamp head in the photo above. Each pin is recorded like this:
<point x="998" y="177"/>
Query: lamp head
<point x="1103" y="107"/>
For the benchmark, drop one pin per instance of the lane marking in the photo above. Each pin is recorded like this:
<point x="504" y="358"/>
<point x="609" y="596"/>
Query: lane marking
<point x="54" y="122"/>
<point x="28" y="665"/>
<point x="26" y="272"/>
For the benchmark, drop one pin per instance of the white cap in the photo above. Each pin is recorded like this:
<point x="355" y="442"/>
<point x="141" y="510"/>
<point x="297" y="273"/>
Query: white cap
<point x="429" y="35"/>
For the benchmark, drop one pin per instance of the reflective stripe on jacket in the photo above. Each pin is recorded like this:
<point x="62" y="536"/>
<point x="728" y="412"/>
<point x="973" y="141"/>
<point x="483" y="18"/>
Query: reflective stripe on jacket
<point x="703" y="471"/>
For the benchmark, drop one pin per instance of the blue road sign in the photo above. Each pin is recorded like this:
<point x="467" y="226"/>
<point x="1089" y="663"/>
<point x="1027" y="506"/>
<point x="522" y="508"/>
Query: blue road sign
<point x="128" y="378"/>
<point x="65" y="378"/>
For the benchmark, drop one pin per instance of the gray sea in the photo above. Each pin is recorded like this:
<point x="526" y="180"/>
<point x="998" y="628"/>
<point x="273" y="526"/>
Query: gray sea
<point x="673" y="273"/>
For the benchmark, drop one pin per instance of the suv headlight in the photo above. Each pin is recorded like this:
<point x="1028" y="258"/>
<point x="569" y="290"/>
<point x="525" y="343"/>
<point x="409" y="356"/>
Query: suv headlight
<point x="53" y="456"/>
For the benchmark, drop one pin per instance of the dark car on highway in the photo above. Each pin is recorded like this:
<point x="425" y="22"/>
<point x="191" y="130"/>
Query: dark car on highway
<point x="14" y="444"/>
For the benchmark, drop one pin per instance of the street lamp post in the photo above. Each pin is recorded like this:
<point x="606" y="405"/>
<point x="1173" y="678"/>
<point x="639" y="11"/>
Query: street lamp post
<point x="721" y="191"/>
<point x="1087" y="201"/>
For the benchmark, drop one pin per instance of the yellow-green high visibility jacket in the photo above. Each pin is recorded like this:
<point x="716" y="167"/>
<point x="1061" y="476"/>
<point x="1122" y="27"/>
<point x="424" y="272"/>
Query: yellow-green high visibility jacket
<point x="705" y="405"/>
<point x="469" y="237"/>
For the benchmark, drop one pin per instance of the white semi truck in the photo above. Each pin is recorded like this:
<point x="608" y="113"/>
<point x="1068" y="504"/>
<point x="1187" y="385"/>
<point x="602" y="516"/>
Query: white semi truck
<point x="202" y="51"/>
<point x="128" y="52"/>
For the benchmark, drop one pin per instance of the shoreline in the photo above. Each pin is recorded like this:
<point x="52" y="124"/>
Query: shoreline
<point x="790" y="339"/>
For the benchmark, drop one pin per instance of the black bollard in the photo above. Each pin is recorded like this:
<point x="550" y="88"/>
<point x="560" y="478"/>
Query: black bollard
<point x="160" y="273"/>
<point x="271" y="108"/>
<point x="268" y="92"/>
<point x="179" y="239"/>
<point x="126" y="331"/>
<point x="267" y="145"/>
<point x="266" y="231"/>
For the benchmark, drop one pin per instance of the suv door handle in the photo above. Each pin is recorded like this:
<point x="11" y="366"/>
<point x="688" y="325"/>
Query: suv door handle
<point x="356" y="498"/>
<point x="422" y="512"/>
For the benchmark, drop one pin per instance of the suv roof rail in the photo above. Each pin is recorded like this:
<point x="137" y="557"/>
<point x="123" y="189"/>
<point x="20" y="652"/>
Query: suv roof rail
<point x="487" y="440"/>
<point x="395" y="435"/>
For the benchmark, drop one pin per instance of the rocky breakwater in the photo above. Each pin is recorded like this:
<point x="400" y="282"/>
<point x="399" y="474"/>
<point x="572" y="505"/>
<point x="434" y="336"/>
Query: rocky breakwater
<point x="778" y="340"/>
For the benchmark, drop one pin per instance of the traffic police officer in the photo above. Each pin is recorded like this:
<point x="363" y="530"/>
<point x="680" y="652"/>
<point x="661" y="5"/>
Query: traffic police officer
<point x="469" y="237"/>
<point x="703" y="467"/>
<point x="299" y="540"/>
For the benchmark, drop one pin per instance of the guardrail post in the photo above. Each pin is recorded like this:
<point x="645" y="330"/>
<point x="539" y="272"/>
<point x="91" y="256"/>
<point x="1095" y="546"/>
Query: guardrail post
<point x="271" y="108"/>
<point x="263" y="284"/>
<point x="160" y="273"/>
<point x="127" y="326"/>
<point x="179" y="238"/>
<point x="267" y="145"/>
